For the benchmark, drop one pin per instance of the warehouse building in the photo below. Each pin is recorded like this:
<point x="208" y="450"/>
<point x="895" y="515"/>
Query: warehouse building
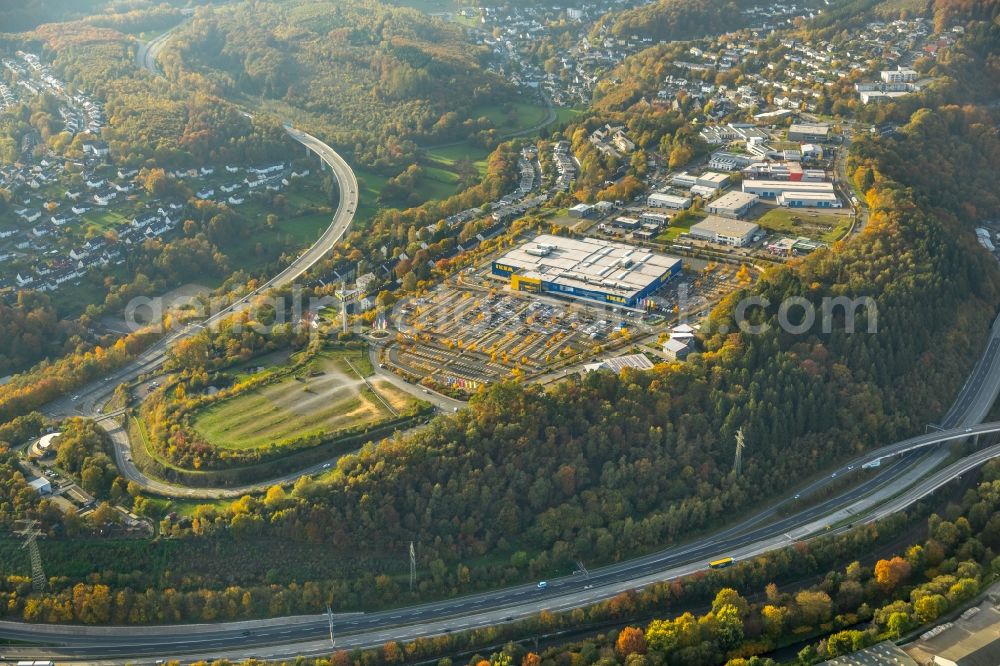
<point x="627" y="223"/>
<point x="733" y="204"/>
<point x="712" y="180"/>
<point x="794" y="194"/>
<point x="725" y="231"/>
<point x="663" y="200"/>
<point x="582" y="210"/>
<point x="587" y="268"/>
<point x="809" y="132"/>
<point x="683" y="179"/>
<point x="809" y="200"/>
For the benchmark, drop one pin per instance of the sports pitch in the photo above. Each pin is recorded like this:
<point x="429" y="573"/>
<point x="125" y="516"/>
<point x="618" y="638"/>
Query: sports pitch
<point x="332" y="398"/>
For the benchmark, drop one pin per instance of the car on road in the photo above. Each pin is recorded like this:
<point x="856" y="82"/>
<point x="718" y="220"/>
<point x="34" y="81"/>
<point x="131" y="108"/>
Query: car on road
<point x="542" y="584"/>
<point x="833" y="476"/>
<point x="797" y="496"/>
<point x="326" y="465"/>
<point x="968" y="430"/>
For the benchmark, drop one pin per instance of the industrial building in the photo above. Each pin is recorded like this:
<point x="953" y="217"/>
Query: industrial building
<point x="733" y="204"/>
<point x="677" y="349"/>
<point x="783" y="171"/>
<point x="586" y="268"/>
<point x="582" y="210"/>
<point x="627" y="223"/>
<point x="683" y="179"/>
<point x="725" y="231"/>
<point x="809" y="132"/>
<point x="809" y="200"/>
<point x="663" y="200"/>
<point x="659" y="219"/>
<point x="712" y="180"/>
<point x="794" y="194"/>
<point x="619" y="363"/>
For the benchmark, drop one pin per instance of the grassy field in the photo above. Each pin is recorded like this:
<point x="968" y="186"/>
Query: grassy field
<point x="447" y="157"/>
<point x="677" y="228"/>
<point x="892" y="8"/>
<point x="827" y="227"/>
<point x="564" y="115"/>
<point x="520" y="116"/>
<point x="327" y="397"/>
<point x="430" y="6"/>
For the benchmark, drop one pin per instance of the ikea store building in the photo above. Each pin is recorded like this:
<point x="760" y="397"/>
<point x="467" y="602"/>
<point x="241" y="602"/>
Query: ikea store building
<point x="587" y="268"/>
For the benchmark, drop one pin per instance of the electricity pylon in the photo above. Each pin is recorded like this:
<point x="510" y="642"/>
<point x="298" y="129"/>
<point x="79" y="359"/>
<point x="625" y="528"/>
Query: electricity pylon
<point x="740" y="443"/>
<point x="413" y="567"/>
<point x="329" y="620"/>
<point x="30" y="532"/>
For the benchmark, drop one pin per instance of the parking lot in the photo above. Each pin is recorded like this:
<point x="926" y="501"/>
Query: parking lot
<point x="479" y="333"/>
<point x="468" y="337"/>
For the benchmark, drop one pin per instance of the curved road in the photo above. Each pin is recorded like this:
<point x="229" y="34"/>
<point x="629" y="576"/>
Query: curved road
<point x="899" y="481"/>
<point x="307" y="635"/>
<point x="147" y="54"/>
<point x="893" y="487"/>
<point x="88" y="398"/>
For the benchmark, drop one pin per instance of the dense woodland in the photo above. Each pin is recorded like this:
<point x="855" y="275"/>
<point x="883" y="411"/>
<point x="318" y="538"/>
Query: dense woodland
<point x="883" y="597"/>
<point x="526" y="482"/>
<point x="375" y="79"/>
<point x="153" y="121"/>
<point x="668" y="20"/>
<point x="31" y="330"/>
<point x="615" y="465"/>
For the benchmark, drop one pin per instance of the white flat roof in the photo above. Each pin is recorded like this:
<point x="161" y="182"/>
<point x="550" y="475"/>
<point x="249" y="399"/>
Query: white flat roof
<point x="733" y="200"/>
<point x="808" y="196"/>
<point x="46" y="441"/>
<point x="663" y="196"/>
<point x="723" y="226"/>
<point x="809" y="128"/>
<point x="787" y="186"/>
<point x="590" y="263"/>
<point x="714" y="177"/>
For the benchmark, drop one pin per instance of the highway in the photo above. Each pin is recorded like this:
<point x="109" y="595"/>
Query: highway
<point x="895" y="478"/>
<point x="891" y="487"/>
<point x="146" y="54"/>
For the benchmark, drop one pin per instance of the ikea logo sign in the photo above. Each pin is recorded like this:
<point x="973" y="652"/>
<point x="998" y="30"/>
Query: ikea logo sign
<point x="505" y="268"/>
<point x="616" y="299"/>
